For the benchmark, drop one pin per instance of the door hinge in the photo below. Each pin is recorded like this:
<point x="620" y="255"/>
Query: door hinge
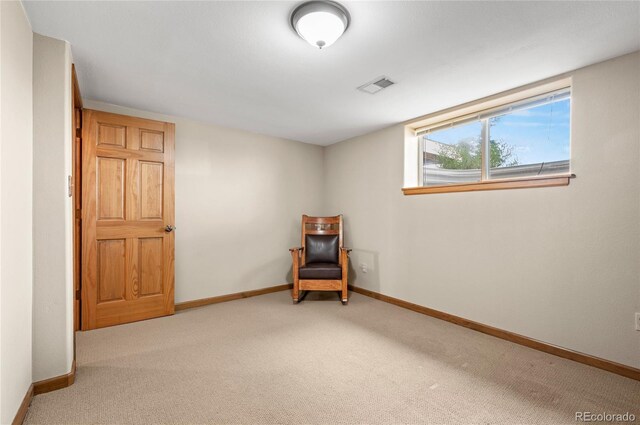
<point x="70" y="184"/>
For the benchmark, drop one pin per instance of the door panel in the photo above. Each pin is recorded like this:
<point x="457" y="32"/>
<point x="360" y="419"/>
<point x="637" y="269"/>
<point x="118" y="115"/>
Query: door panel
<point x="110" y="178"/>
<point x="152" y="141"/>
<point x="151" y="255"/>
<point x="151" y="190"/>
<point x="111" y="135"/>
<point x="127" y="201"/>
<point x="111" y="270"/>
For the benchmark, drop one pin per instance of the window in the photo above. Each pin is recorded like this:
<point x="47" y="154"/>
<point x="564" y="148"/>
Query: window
<point x="517" y="138"/>
<point x="453" y="154"/>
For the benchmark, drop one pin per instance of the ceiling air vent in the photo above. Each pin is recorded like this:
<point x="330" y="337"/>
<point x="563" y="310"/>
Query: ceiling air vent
<point x="376" y="85"/>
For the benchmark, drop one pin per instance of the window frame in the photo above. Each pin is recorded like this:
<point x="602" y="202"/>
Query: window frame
<point x="479" y="110"/>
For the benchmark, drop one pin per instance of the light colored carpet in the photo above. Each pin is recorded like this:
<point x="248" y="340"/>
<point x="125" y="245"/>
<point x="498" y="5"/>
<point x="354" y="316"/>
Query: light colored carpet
<point x="263" y="360"/>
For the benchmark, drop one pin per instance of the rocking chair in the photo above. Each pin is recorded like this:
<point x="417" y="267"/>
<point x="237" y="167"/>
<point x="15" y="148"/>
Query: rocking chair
<point x="321" y="263"/>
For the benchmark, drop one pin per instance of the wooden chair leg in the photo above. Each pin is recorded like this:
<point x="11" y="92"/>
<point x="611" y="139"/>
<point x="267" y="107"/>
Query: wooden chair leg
<point x="345" y="294"/>
<point x="345" y="275"/>
<point x="295" y="292"/>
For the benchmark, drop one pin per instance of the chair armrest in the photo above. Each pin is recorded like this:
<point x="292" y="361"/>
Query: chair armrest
<point x="344" y="262"/>
<point x="296" y="254"/>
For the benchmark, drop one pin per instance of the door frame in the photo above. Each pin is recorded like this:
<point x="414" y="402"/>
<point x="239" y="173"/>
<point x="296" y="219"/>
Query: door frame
<point x="75" y="189"/>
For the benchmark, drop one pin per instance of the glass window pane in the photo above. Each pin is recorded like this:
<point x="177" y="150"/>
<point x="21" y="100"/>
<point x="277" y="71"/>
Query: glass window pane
<point x="452" y="155"/>
<point x="530" y="142"/>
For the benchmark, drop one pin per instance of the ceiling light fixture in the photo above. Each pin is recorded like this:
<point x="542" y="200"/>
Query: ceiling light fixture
<point x="320" y="22"/>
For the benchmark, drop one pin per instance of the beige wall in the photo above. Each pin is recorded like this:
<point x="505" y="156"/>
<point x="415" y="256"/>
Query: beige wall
<point x="15" y="198"/>
<point x="239" y="199"/>
<point x="52" y="209"/>
<point x="556" y="264"/>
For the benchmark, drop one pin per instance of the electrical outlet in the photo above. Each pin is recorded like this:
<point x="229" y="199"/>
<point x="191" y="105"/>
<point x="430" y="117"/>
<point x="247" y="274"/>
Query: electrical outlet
<point x="363" y="267"/>
<point x="638" y="321"/>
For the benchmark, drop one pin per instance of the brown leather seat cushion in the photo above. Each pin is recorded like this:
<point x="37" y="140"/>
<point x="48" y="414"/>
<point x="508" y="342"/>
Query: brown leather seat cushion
<point x="320" y="271"/>
<point x="321" y="248"/>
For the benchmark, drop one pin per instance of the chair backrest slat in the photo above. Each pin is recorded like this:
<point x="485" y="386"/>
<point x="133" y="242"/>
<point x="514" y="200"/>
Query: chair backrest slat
<point x="322" y="232"/>
<point x="322" y="220"/>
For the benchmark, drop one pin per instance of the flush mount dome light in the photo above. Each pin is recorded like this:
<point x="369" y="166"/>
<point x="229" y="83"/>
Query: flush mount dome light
<point x="320" y="22"/>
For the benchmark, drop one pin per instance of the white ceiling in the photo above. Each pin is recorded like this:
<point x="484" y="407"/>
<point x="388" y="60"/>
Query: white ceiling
<point x="239" y="64"/>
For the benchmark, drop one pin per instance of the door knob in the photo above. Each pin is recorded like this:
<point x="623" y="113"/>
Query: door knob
<point x="170" y="228"/>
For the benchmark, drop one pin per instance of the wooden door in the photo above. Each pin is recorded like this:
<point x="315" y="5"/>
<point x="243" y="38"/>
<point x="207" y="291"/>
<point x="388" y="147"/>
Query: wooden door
<point x="127" y="219"/>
